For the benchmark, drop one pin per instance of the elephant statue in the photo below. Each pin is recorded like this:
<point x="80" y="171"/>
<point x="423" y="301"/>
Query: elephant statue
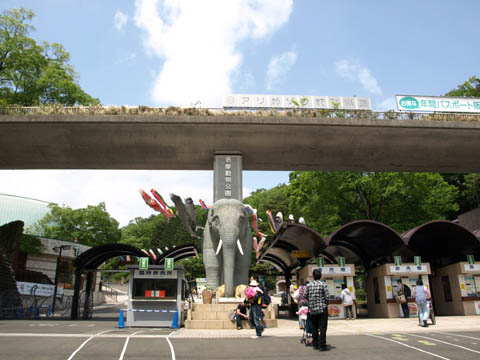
<point x="227" y="245"/>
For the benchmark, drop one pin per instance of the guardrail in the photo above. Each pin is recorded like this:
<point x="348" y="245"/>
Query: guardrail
<point x="294" y="112"/>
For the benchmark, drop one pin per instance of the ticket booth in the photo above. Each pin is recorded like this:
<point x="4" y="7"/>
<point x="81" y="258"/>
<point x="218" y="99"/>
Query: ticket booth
<point x="456" y="289"/>
<point x="382" y="284"/>
<point x="334" y="276"/>
<point x="155" y="295"/>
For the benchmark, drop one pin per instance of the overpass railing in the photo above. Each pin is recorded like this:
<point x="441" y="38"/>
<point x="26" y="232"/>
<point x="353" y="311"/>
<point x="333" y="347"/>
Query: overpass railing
<point x="172" y="111"/>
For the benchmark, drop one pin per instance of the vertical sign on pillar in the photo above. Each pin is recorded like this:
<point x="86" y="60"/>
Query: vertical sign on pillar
<point x="471" y="259"/>
<point x="320" y="261"/>
<point x="227" y="176"/>
<point x="143" y="263"/>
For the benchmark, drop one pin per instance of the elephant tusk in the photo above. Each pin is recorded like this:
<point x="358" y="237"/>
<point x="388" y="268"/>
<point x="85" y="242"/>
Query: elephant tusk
<point x="239" y="246"/>
<point x="219" y="247"/>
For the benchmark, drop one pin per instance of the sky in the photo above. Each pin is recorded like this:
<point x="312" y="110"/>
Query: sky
<point x="190" y="52"/>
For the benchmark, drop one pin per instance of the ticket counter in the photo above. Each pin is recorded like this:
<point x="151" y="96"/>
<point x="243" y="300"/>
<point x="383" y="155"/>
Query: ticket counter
<point x="456" y="289"/>
<point x="334" y="276"/>
<point x="382" y="288"/>
<point x="155" y="295"/>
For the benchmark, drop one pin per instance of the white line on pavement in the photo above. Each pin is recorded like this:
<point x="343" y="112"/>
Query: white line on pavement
<point x="124" y="348"/>
<point x="86" y="341"/>
<point x="465" y="336"/>
<point x="171" y="348"/>
<point x="444" y="342"/>
<point x="409" y="346"/>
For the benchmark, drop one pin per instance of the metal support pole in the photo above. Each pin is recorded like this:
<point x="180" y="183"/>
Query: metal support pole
<point x="88" y="290"/>
<point x="56" y="280"/>
<point x="76" y="294"/>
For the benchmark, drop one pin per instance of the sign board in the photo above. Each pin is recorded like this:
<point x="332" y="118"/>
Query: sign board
<point x="279" y="102"/>
<point x="471" y="259"/>
<point x="417" y="260"/>
<point x="397" y="260"/>
<point x="300" y="254"/>
<point x="335" y="270"/>
<point x="28" y="288"/>
<point x="341" y="261"/>
<point x="227" y="177"/>
<point x="438" y="104"/>
<point x="169" y="263"/>
<point x="155" y="274"/>
<point x="320" y="261"/>
<point x="409" y="269"/>
<point x="143" y="263"/>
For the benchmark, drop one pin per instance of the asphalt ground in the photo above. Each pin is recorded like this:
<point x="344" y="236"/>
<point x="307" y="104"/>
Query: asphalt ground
<point x="62" y="339"/>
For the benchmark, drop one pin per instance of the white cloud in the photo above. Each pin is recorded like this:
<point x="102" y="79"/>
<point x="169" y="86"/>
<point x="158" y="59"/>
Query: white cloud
<point x="355" y="71"/>
<point x="388" y="104"/>
<point x="119" y="20"/>
<point x="197" y="41"/>
<point x="278" y="67"/>
<point x="118" y="189"/>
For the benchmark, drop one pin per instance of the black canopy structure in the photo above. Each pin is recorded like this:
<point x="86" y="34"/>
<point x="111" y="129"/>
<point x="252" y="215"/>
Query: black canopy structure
<point x="441" y="242"/>
<point x="364" y="242"/>
<point x="90" y="260"/>
<point x="291" y="237"/>
<point x="178" y="253"/>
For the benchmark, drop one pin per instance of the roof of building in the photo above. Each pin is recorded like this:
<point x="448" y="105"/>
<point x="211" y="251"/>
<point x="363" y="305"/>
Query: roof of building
<point x="13" y="207"/>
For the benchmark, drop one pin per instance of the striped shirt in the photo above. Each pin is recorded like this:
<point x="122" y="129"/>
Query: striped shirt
<point x="317" y="296"/>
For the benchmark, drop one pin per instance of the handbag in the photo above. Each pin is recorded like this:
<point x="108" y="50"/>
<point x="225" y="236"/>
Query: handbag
<point x="401" y="299"/>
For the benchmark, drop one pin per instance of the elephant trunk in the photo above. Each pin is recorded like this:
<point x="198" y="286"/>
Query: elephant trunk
<point x="229" y="237"/>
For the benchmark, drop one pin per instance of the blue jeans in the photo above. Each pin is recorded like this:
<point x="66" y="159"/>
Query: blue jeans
<point x="422" y="307"/>
<point x="257" y="317"/>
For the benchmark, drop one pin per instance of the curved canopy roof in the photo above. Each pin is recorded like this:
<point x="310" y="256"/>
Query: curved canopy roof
<point x="178" y="253"/>
<point x="369" y="240"/>
<point x="290" y="237"/>
<point x="94" y="257"/>
<point x="440" y="239"/>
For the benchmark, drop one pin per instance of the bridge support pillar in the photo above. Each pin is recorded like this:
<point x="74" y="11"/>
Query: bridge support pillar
<point x="227" y="176"/>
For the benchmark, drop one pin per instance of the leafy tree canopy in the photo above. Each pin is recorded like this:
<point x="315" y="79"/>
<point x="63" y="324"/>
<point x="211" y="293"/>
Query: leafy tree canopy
<point x="34" y="74"/>
<point x="91" y="226"/>
<point x="328" y="200"/>
<point x="470" y="88"/>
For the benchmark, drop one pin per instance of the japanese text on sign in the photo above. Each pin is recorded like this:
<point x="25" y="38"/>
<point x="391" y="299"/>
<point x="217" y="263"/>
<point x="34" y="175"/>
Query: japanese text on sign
<point x="438" y="104"/>
<point x="247" y="101"/>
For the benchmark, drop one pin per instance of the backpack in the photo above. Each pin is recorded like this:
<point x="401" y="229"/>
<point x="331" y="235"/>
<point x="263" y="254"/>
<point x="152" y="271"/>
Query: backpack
<point x="266" y="300"/>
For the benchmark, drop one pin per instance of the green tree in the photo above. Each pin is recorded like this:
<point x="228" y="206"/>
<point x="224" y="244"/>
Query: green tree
<point x="328" y="200"/>
<point x="471" y="192"/>
<point x="33" y="74"/>
<point x="470" y="88"/>
<point x="90" y="226"/>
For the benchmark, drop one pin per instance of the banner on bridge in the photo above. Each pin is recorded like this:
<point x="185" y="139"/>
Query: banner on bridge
<point x="438" y="104"/>
<point x="279" y="102"/>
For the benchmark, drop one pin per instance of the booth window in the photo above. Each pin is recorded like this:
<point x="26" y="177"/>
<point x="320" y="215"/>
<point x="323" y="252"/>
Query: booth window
<point x="447" y="292"/>
<point x="155" y="288"/>
<point x="376" y="290"/>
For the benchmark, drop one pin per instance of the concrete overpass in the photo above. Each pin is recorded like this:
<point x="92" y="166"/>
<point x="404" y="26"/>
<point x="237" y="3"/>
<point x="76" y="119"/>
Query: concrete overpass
<point x="266" y="143"/>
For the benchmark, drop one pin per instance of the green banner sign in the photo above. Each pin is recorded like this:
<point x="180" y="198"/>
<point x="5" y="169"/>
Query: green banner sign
<point x="470" y="259"/>
<point x="321" y="261"/>
<point x="169" y="263"/>
<point x="143" y="263"/>
<point x="417" y="260"/>
<point x="341" y="261"/>
<point x="397" y="260"/>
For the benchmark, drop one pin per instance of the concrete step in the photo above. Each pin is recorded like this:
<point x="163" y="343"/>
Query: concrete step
<point x="219" y="315"/>
<point x="223" y="324"/>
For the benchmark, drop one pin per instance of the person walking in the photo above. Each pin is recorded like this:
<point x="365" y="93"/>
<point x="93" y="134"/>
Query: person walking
<point x="317" y="296"/>
<point x="421" y="295"/>
<point x="256" y="309"/>
<point x="347" y="300"/>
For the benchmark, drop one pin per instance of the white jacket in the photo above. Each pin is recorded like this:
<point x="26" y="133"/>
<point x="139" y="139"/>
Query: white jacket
<point x="347" y="298"/>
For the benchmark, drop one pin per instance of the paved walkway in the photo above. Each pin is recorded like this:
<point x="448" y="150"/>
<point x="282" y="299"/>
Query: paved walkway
<point x="346" y="327"/>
